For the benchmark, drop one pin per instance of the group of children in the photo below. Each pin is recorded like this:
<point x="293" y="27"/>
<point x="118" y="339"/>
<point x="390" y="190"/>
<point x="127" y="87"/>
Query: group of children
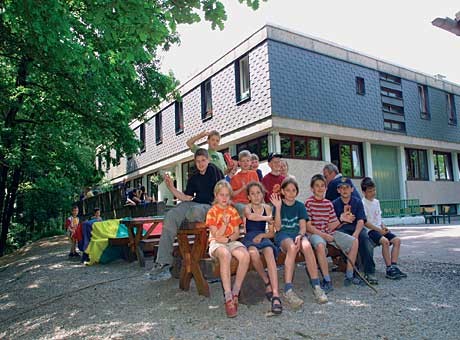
<point x="274" y="220"/>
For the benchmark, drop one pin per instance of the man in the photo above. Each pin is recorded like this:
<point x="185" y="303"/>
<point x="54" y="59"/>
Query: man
<point x="272" y="181"/>
<point x="350" y="213"/>
<point x="333" y="178"/>
<point x="196" y="200"/>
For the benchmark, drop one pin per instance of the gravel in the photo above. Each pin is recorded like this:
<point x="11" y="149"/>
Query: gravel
<point x="44" y="295"/>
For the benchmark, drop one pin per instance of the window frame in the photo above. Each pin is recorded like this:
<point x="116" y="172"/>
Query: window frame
<point x="239" y="74"/>
<point x="179" y="117"/>
<point x="350" y="144"/>
<point x="360" y="86"/>
<point x="206" y="113"/>
<point x="450" y="109"/>
<point x="423" y="102"/>
<point x="142" y="135"/>
<point x="159" y="128"/>
<point x="392" y="122"/>
<point x="259" y="140"/>
<point x="448" y="169"/>
<point x="293" y="138"/>
<point x="410" y="173"/>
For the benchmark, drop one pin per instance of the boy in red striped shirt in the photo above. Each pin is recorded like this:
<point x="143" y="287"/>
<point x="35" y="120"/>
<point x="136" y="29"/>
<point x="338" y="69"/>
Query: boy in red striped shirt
<point x="322" y="230"/>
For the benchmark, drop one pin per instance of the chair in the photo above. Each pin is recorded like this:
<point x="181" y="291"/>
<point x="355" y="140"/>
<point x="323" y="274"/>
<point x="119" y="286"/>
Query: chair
<point x="446" y="214"/>
<point x="429" y="213"/>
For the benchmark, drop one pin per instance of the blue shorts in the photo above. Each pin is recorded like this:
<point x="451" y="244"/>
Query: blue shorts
<point x="281" y="236"/>
<point x="248" y="242"/>
<point x="375" y="236"/>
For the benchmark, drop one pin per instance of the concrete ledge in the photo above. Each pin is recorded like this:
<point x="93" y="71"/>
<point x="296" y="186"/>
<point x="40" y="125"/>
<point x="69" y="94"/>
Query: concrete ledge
<point x="403" y="220"/>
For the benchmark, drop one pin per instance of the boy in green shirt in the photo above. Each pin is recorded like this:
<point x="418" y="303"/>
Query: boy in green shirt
<point x="215" y="156"/>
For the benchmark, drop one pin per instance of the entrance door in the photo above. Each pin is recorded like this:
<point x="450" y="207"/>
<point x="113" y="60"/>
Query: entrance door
<point x="385" y="171"/>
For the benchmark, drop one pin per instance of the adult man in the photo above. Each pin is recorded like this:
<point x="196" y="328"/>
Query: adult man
<point x="196" y="201"/>
<point x="350" y="213"/>
<point x="272" y="181"/>
<point x="333" y="178"/>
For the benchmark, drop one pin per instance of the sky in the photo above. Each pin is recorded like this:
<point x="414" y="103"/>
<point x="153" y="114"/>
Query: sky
<point x="399" y="32"/>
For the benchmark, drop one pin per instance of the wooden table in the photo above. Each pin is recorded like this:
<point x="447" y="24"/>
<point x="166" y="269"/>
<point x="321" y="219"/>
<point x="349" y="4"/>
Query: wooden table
<point x="135" y="238"/>
<point x="191" y="255"/>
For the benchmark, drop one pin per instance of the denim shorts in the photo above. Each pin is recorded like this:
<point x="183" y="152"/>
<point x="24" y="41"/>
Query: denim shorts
<point x="280" y="236"/>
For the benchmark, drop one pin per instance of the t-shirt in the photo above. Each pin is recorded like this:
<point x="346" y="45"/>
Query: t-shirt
<point x="259" y="173"/>
<point x="215" y="216"/>
<point x="332" y="193"/>
<point x="237" y="182"/>
<point x="290" y="217"/>
<point x="269" y="181"/>
<point x="356" y="209"/>
<point x="202" y="186"/>
<point x="215" y="158"/>
<point x="373" y="212"/>
<point x="321" y="213"/>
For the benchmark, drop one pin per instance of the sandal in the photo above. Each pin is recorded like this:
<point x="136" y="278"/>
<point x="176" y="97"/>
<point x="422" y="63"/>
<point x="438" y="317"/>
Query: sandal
<point x="277" y="308"/>
<point x="268" y="295"/>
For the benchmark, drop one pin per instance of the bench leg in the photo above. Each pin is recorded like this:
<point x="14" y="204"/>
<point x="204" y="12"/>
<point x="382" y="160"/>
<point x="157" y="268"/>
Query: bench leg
<point x="191" y="262"/>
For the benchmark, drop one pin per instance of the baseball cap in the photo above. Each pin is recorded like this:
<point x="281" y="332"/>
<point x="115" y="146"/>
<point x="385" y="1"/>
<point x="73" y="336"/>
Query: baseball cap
<point x="272" y="155"/>
<point x="345" y="181"/>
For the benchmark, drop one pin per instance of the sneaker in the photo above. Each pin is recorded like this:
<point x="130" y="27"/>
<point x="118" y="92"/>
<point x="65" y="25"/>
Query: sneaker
<point x="327" y="286"/>
<point x="160" y="272"/>
<point x="392" y="274"/>
<point x="70" y="255"/>
<point x="371" y="278"/>
<point x="399" y="272"/>
<point x="347" y="282"/>
<point x="294" y="301"/>
<point x="76" y="254"/>
<point x="230" y="309"/>
<point x="320" y="296"/>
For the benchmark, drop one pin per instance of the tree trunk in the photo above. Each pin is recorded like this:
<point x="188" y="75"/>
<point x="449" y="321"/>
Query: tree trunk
<point x="9" y="209"/>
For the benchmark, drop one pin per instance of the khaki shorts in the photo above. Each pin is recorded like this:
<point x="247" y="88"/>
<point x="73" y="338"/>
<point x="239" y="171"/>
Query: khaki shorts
<point x="344" y="241"/>
<point x="230" y="246"/>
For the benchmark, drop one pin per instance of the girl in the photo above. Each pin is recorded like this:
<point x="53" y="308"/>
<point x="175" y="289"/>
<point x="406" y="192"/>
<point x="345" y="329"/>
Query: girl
<point x="257" y="215"/>
<point x="224" y="222"/>
<point x="290" y="223"/>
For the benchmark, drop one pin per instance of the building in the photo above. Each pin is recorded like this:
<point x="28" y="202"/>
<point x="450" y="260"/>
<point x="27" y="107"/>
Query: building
<point x="315" y="102"/>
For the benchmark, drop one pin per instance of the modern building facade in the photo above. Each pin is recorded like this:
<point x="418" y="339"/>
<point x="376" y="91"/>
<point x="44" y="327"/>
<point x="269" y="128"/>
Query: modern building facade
<point x="315" y="102"/>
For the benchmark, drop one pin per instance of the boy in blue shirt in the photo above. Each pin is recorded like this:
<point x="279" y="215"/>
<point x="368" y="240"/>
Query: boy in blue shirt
<point x="351" y="215"/>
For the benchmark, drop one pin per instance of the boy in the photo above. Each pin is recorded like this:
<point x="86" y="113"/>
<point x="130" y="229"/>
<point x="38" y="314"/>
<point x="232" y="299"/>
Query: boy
<point x="272" y="181"/>
<point x="196" y="200"/>
<point x="71" y="225"/>
<point x="378" y="232"/>
<point x="255" y="166"/>
<point x="241" y="179"/>
<point x="350" y="212"/>
<point x="321" y="228"/>
<point x="215" y="157"/>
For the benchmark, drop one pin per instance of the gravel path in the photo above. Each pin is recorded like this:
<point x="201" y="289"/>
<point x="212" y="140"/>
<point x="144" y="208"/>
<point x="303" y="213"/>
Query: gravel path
<point x="44" y="295"/>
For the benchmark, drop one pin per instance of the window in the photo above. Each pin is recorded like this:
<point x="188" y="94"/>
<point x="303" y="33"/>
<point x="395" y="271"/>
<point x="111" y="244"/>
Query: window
<point x="99" y="162"/>
<point x="142" y="136"/>
<point x="450" y="109"/>
<point x="348" y="156"/>
<point x="417" y="165"/>
<point x="394" y="109"/>
<point x="108" y="160"/>
<point x="259" y="146"/>
<point x="179" y="113"/>
<point x="442" y="166"/>
<point x="389" y="78"/>
<point x="242" y="85"/>
<point x="158" y="128"/>
<point x="138" y="182"/>
<point x="117" y="157"/>
<point x="206" y="100"/>
<point x="360" y="88"/>
<point x="391" y="125"/>
<point x="423" y="101"/>
<point x="300" y="147"/>
<point x="390" y="93"/>
<point x="188" y="169"/>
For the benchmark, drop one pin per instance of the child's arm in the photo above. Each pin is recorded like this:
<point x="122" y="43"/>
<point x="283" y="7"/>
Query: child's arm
<point x="359" y="227"/>
<point x="236" y="234"/>
<point x="312" y="230"/>
<point x="216" y="235"/>
<point x="179" y="194"/>
<point x="276" y="201"/>
<point x="257" y="217"/>
<point x="271" y="230"/>
<point x="191" y="142"/>
<point x="373" y="227"/>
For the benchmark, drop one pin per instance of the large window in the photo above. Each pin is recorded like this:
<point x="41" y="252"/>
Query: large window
<point x="348" y="156"/>
<point x="179" y="117"/>
<point x="158" y="128"/>
<point x="242" y="84"/>
<point x="188" y="169"/>
<point x="300" y="147"/>
<point x="391" y="125"/>
<point x="417" y="165"/>
<point x="142" y="136"/>
<point x="206" y="100"/>
<point x="442" y="166"/>
<point x="423" y="101"/>
<point x="259" y="146"/>
<point x="450" y="109"/>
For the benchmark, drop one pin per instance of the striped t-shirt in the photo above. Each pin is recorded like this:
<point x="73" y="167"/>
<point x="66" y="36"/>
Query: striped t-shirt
<point x="321" y="213"/>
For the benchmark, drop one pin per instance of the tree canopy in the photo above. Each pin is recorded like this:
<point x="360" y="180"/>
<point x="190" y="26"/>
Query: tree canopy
<point x="73" y="75"/>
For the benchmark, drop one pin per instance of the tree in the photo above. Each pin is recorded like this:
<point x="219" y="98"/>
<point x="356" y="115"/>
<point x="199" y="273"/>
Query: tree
<point x="73" y="75"/>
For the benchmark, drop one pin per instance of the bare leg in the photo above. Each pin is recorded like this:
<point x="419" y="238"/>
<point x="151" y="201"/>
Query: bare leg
<point x="272" y="271"/>
<point x="386" y="250"/>
<point x="396" y="242"/>
<point x="73" y="248"/>
<point x="224" y="257"/>
<point x="291" y="250"/>
<point x="257" y="263"/>
<point x="321" y="257"/>
<point x="242" y="255"/>
<point x="352" y="254"/>
<point x="310" y="260"/>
